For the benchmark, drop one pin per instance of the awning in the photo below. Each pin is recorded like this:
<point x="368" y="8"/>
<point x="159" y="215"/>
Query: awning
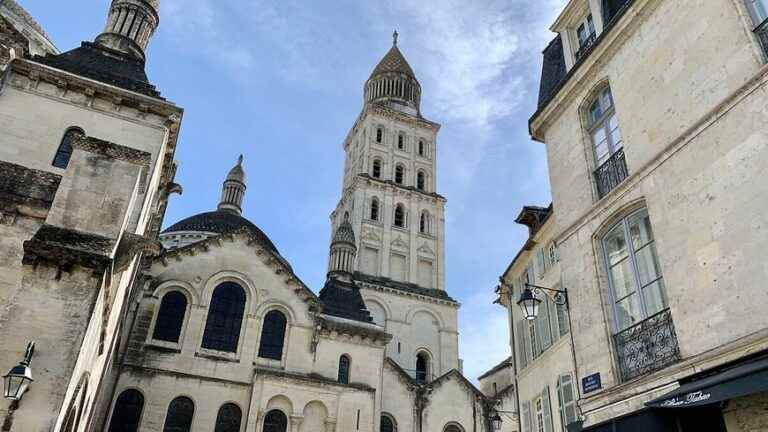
<point x="742" y="380"/>
<point x="641" y="421"/>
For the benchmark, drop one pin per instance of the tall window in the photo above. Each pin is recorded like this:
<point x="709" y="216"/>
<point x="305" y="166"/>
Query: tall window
<point x="376" y="168"/>
<point x="586" y="31"/>
<point x="344" y="364"/>
<point x="399" y="216"/>
<point x="170" y="318"/>
<point x="421" y="181"/>
<point x="387" y="424"/>
<point x="229" y="418"/>
<point x="275" y="421"/>
<point x="64" y="152"/>
<point x="179" y="416"/>
<point x="424" y="222"/>
<point x="399" y="174"/>
<point x="126" y="415"/>
<point x="225" y="318"/>
<point x="374" y="209"/>
<point x="422" y="367"/>
<point x="401" y="141"/>
<point x="604" y="127"/>
<point x="422" y="148"/>
<point x="379" y="135"/>
<point x="758" y="9"/>
<point x="633" y="267"/>
<point x="273" y="336"/>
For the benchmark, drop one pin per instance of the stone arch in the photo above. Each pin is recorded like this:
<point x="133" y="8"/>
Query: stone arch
<point x="272" y="304"/>
<point x="251" y="293"/>
<point x="379" y="310"/>
<point x="589" y="96"/>
<point x="185" y="288"/>
<point x="453" y="426"/>
<point x="616" y="215"/>
<point x="281" y="403"/>
<point x="315" y="414"/>
<point x="413" y="312"/>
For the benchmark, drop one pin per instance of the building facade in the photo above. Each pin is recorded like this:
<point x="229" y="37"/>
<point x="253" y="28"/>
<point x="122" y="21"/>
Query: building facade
<point x="87" y="166"/>
<point x="653" y="114"/>
<point x="205" y="325"/>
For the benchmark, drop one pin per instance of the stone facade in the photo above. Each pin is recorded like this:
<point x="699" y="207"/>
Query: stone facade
<point x="682" y="179"/>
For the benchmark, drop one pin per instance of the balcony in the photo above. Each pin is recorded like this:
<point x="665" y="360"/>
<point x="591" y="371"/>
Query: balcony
<point x="648" y="346"/>
<point x="586" y="46"/>
<point x="762" y="34"/>
<point x="611" y="173"/>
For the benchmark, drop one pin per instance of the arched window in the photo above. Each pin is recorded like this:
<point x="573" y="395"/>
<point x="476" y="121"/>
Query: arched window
<point x="376" y="171"/>
<point x="387" y="424"/>
<point x="275" y="421"/>
<point x="170" y="318"/>
<point x="452" y="428"/>
<point x="344" y="364"/>
<point x="634" y="272"/>
<point x="64" y="152"/>
<point x="424" y="222"/>
<point x="225" y="318"/>
<point x="421" y="181"/>
<point x="273" y="336"/>
<point x="604" y="127"/>
<point x="374" y="209"/>
<point x="179" y="417"/>
<point x="399" y="174"/>
<point x="229" y="418"/>
<point x="422" y="367"/>
<point x="399" y="216"/>
<point x="126" y="415"/>
<point x="422" y="148"/>
<point x="401" y="141"/>
<point x="379" y="135"/>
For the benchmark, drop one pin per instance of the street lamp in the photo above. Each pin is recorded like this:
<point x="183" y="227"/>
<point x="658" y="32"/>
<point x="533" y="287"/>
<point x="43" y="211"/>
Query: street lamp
<point x="496" y="421"/>
<point x="529" y="300"/>
<point x="17" y="380"/>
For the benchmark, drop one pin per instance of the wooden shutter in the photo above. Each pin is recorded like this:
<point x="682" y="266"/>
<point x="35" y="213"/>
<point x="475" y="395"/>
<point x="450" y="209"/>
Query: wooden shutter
<point x="563" y="325"/>
<point x="543" y="331"/>
<point x="527" y="419"/>
<point x="547" y="407"/>
<point x="553" y="322"/>
<point x="569" y="398"/>
<point x="521" y="345"/>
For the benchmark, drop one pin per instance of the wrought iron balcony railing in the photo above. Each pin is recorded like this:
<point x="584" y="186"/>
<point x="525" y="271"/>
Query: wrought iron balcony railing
<point x="611" y="173"/>
<point x="648" y="346"/>
<point x="762" y="34"/>
<point x="586" y="46"/>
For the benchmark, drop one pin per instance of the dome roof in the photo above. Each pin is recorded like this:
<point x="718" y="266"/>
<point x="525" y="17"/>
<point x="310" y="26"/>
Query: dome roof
<point x="221" y="222"/>
<point x="393" y="62"/>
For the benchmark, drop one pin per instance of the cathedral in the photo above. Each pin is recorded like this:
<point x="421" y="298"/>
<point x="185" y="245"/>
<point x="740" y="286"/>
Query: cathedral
<point x="118" y="325"/>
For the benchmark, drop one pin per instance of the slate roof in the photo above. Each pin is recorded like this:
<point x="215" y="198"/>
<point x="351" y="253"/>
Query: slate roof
<point x="553" y="72"/>
<point x="221" y="222"/>
<point x="403" y="286"/>
<point x="345" y="233"/>
<point x="507" y="362"/>
<point x="105" y="65"/>
<point x="393" y="61"/>
<point x="342" y="299"/>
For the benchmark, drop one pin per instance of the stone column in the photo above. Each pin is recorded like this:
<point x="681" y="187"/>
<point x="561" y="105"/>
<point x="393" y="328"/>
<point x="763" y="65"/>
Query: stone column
<point x="296" y="422"/>
<point x="330" y="425"/>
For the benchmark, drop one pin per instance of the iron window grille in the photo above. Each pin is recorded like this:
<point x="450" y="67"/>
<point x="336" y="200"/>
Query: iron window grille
<point x="648" y="346"/>
<point x="611" y="173"/>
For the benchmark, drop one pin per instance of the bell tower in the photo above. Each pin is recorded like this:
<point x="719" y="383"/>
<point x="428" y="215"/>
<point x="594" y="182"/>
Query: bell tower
<point x="390" y="181"/>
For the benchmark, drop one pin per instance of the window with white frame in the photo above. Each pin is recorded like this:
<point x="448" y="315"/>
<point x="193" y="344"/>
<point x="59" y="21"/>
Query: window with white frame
<point x="566" y="399"/>
<point x="585" y="32"/>
<point x="758" y="9"/>
<point x="634" y="273"/>
<point x="603" y="127"/>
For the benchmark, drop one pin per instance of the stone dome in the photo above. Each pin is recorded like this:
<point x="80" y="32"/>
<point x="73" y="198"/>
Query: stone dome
<point x="393" y="82"/>
<point x="221" y="222"/>
<point x="345" y="233"/>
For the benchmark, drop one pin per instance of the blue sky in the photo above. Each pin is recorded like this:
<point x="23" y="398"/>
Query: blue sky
<point x="281" y="82"/>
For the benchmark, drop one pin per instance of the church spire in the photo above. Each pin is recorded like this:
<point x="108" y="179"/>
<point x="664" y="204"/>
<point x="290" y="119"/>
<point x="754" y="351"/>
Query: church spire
<point x="343" y="251"/>
<point x="393" y="80"/>
<point x="130" y="26"/>
<point x="233" y="191"/>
